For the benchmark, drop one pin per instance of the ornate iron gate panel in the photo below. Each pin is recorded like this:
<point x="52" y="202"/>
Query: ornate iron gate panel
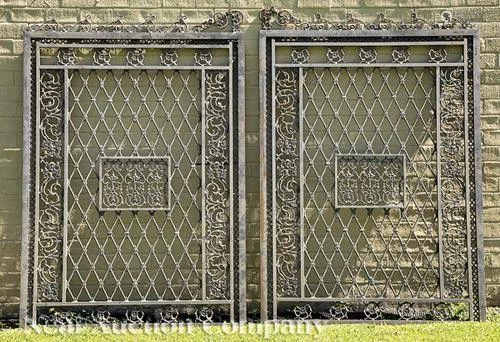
<point x="371" y="170"/>
<point x="134" y="154"/>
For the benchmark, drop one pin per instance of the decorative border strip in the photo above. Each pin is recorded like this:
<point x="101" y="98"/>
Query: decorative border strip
<point x="50" y="191"/>
<point x="379" y="310"/>
<point x="137" y="316"/>
<point x="273" y="18"/>
<point x="287" y="184"/>
<point x="216" y="190"/>
<point x="230" y="19"/>
<point x="452" y="107"/>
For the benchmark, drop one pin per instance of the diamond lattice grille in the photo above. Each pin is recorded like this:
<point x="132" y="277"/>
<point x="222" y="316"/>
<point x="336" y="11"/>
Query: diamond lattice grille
<point x="375" y="252"/>
<point x="134" y="255"/>
<point x="134" y="173"/>
<point x="371" y="164"/>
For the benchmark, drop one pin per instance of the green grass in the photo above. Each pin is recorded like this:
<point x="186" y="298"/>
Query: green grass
<point x="461" y="331"/>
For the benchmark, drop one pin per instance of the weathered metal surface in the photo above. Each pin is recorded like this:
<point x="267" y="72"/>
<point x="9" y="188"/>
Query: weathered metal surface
<point x="134" y="208"/>
<point x="370" y="169"/>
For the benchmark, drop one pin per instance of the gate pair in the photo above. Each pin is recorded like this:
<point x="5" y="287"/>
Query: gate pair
<point x="134" y="196"/>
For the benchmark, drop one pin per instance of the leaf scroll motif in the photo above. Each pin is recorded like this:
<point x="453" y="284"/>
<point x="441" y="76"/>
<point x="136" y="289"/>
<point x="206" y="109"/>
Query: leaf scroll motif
<point x="401" y="56"/>
<point x="102" y="57"/>
<point x="367" y="55"/>
<point x="51" y="187"/>
<point x="453" y="183"/>
<point x="169" y="57"/>
<point x="300" y="56"/>
<point x="437" y="55"/>
<point x="287" y="221"/>
<point x="66" y="56"/>
<point x="135" y="57"/>
<point x="335" y="55"/>
<point x="217" y="185"/>
<point x="203" y="57"/>
<point x="112" y="184"/>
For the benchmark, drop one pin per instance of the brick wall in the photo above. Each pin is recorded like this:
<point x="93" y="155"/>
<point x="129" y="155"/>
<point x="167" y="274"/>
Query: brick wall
<point x="15" y="14"/>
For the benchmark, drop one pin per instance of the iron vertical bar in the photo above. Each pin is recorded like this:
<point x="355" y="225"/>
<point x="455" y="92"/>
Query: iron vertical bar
<point x="241" y="184"/>
<point x="37" y="185"/>
<point x="439" y="189"/>
<point x="263" y="175"/>
<point x="478" y="173"/>
<point x="65" y="187"/>
<point x="273" y="152"/>
<point x="466" y="167"/>
<point x="301" y="180"/>
<point x="204" y="190"/>
<point x="25" y="239"/>
<point x="231" y="188"/>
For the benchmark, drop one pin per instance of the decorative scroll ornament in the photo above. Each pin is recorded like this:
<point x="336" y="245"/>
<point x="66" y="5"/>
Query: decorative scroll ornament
<point x="217" y="185"/>
<point x="279" y="17"/>
<point x="367" y="55"/>
<point x="102" y="57"/>
<point x="373" y="311"/>
<point x="204" y="315"/>
<point x="406" y="311"/>
<point x="335" y="55"/>
<point x="66" y="56"/>
<point x="300" y="56"/>
<point x="219" y="21"/>
<point x="274" y="18"/>
<point x="169" y="315"/>
<point x="401" y="56"/>
<point x="169" y="57"/>
<point x="338" y="311"/>
<point x="135" y="316"/>
<point x="303" y="312"/>
<point x="437" y="55"/>
<point x="203" y="57"/>
<point x="442" y="311"/>
<point x="135" y="57"/>
<point x="101" y="317"/>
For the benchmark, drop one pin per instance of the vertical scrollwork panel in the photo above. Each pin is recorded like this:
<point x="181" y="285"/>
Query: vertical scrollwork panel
<point x="453" y="191"/>
<point x="287" y="228"/>
<point x="217" y="184"/>
<point x="50" y="190"/>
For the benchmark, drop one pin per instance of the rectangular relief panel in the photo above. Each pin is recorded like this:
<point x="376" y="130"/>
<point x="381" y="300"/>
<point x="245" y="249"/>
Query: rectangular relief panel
<point x="370" y="169"/>
<point x="370" y="181"/>
<point x="134" y="183"/>
<point x="134" y="204"/>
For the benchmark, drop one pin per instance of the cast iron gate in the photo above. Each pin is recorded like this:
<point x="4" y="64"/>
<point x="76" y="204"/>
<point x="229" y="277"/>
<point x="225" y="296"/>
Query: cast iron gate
<point x="133" y="160"/>
<point x="371" y="174"/>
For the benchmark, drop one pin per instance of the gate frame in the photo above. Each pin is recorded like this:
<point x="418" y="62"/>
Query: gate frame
<point x="293" y="27"/>
<point x="52" y="30"/>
